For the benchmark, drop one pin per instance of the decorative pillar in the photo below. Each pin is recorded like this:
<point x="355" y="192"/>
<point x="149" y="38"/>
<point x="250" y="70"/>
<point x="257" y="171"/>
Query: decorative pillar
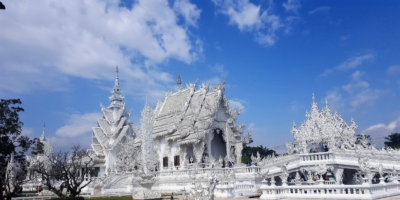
<point x="239" y="148"/>
<point x="338" y="175"/>
<point x="269" y="192"/>
<point x="283" y="178"/>
<point x="198" y="150"/>
<point x="209" y="150"/>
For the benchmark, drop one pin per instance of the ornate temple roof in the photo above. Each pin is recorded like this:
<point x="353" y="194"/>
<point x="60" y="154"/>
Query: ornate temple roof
<point x="323" y="125"/>
<point x="115" y="122"/>
<point x="188" y="114"/>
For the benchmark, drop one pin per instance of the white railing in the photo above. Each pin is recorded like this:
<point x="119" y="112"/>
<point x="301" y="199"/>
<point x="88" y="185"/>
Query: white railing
<point x="365" y="191"/>
<point x="244" y="186"/>
<point x="250" y="170"/>
<point x="34" y="197"/>
<point x="330" y="182"/>
<point x="316" y="156"/>
<point x="105" y="195"/>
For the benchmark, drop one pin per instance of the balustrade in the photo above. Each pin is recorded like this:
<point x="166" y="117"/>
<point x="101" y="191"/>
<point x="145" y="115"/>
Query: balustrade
<point x="330" y="190"/>
<point x="316" y="156"/>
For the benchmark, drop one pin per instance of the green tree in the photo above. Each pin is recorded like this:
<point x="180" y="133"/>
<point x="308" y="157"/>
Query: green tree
<point x="11" y="140"/>
<point x="248" y="151"/>
<point x="38" y="149"/>
<point x="393" y="140"/>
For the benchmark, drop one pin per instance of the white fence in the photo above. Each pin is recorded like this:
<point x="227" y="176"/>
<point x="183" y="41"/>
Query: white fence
<point x="365" y="191"/>
<point x="34" y="198"/>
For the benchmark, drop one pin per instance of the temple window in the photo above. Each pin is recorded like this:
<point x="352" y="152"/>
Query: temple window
<point x="176" y="160"/>
<point x="165" y="162"/>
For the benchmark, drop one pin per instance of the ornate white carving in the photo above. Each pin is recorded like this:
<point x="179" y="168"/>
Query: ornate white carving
<point x="321" y="126"/>
<point x="10" y="173"/>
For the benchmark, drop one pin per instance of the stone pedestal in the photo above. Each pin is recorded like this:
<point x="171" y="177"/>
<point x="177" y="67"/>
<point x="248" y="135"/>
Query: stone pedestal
<point x="225" y="190"/>
<point x="146" y="193"/>
<point x="320" y="181"/>
<point x="268" y="192"/>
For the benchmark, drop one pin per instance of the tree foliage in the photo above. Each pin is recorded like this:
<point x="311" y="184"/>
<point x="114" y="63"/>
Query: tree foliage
<point x="11" y="140"/>
<point x="248" y="151"/>
<point x="393" y="140"/>
<point x="66" y="170"/>
<point x="38" y="148"/>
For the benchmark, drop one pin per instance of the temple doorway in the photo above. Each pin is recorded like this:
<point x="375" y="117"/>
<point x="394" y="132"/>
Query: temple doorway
<point x="218" y="145"/>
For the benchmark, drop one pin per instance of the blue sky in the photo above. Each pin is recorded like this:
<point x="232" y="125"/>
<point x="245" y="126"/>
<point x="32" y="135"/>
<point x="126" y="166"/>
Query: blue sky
<point x="59" y="58"/>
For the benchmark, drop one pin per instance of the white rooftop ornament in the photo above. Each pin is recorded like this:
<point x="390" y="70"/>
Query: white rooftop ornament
<point x="323" y="126"/>
<point x="112" y="127"/>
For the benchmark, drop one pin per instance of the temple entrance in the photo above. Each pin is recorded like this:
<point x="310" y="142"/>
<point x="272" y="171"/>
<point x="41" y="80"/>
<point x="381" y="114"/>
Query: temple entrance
<point x="218" y="145"/>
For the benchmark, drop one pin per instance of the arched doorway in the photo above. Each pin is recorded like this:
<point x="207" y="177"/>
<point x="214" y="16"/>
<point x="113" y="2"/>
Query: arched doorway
<point x="218" y="145"/>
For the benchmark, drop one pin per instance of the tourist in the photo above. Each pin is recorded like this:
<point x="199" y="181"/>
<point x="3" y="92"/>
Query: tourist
<point x="326" y="148"/>
<point x="249" y="164"/>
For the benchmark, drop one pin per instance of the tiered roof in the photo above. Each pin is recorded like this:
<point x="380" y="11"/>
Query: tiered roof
<point x="115" y="122"/>
<point x="187" y="115"/>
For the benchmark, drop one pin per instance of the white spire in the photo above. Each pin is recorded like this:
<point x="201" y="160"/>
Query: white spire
<point x="147" y="102"/>
<point x="43" y="137"/>
<point x="116" y="96"/>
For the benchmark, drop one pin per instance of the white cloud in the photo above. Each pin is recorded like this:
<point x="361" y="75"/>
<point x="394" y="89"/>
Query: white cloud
<point x="355" y="61"/>
<point x="292" y="6"/>
<point x="322" y="9"/>
<point x="78" y="125"/>
<point x="189" y="11"/>
<point x="357" y="92"/>
<point x="335" y="99"/>
<point x="241" y="13"/>
<point x="360" y="91"/>
<point x="220" y="69"/>
<point x="393" y="71"/>
<point x="249" y="17"/>
<point x="381" y="130"/>
<point x="237" y="104"/>
<point x="47" y="41"/>
<point x="350" y="63"/>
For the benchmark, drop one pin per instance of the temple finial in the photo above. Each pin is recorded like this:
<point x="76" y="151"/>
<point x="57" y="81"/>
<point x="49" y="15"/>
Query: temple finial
<point x="43" y="137"/>
<point x="314" y="106"/>
<point x="147" y="102"/>
<point x="116" y="92"/>
<point x="116" y="70"/>
<point x="179" y="80"/>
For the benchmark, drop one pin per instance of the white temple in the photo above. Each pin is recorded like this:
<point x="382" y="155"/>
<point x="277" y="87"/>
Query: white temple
<point x="33" y="179"/>
<point x="190" y="143"/>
